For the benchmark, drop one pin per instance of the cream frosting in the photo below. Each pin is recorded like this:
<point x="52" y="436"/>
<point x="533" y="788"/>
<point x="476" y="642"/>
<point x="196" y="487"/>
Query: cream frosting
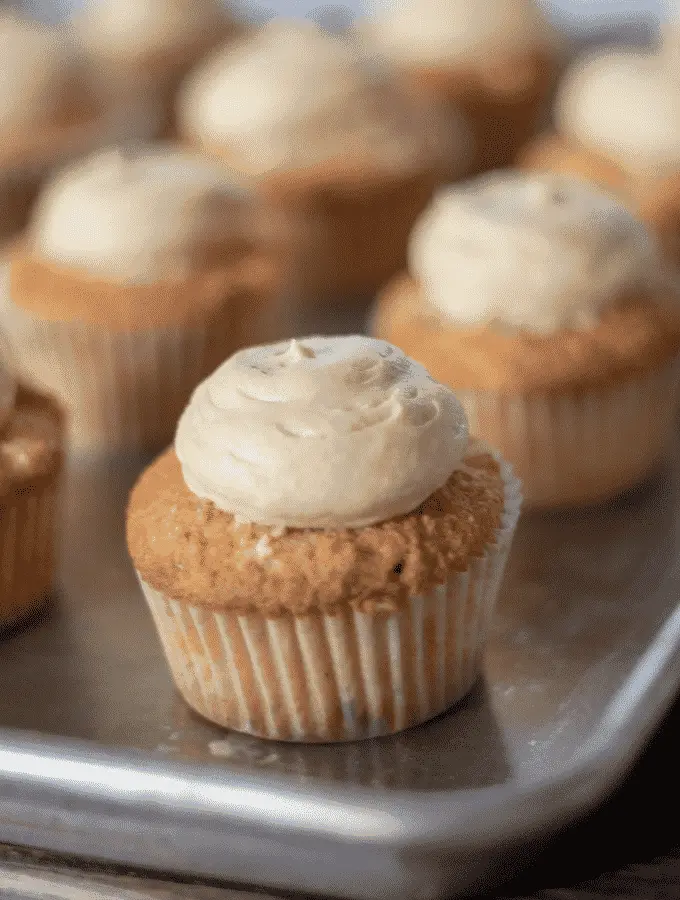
<point x="535" y="252"/>
<point x="440" y="32"/>
<point x="8" y="390"/>
<point x="137" y="28"/>
<point x="625" y="105"/>
<point x="138" y="216"/>
<point x="35" y="62"/>
<point x="294" y="94"/>
<point x="324" y="433"/>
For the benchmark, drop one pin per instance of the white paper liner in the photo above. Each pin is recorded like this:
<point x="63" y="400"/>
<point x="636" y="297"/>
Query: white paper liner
<point x="576" y="448"/>
<point x="343" y="676"/>
<point x="26" y="552"/>
<point x="121" y="389"/>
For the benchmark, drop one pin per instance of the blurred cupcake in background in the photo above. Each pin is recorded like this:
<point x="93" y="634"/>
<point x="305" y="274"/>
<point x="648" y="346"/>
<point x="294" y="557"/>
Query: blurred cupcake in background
<point x="323" y="546"/>
<point x="618" y="125"/>
<point x="31" y="457"/>
<point x="497" y="59"/>
<point x="146" y="47"/>
<point x="546" y="306"/>
<point x="326" y="132"/>
<point x="139" y="272"/>
<point x="48" y="113"/>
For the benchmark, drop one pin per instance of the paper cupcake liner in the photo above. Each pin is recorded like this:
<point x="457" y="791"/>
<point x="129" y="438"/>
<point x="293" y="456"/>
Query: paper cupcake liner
<point x="340" y="676"/>
<point x="121" y="389"/>
<point x="26" y="552"/>
<point x="575" y="448"/>
<point x="17" y="196"/>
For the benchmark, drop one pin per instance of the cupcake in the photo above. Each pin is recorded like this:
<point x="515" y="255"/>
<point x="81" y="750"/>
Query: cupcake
<point x="323" y="130"/>
<point x="497" y="59"/>
<point x="618" y="116"/>
<point x="48" y="114"/>
<point x="322" y="547"/>
<point x="30" y="466"/>
<point x="545" y="305"/>
<point x="138" y="273"/>
<point x="148" y="46"/>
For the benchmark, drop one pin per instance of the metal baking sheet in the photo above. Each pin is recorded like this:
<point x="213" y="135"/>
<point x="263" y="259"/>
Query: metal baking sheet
<point x="100" y="757"/>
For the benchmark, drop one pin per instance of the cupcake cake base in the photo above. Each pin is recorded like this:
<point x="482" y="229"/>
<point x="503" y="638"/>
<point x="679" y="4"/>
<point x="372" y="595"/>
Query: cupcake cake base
<point x="352" y="671"/>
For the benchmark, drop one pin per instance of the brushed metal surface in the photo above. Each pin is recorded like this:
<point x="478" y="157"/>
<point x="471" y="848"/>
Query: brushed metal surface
<point x="583" y="662"/>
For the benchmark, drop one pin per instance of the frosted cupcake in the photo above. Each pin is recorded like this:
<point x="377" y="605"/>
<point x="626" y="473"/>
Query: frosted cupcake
<point x="322" y="129"/>
<point x="545" y="305"/>
<point x="322" y="548"/>
<point x="48" y="114"/>
<point x="138" y="273"/>
<point x="497" y="59"/>
<point x="147" y="46"/>
<point x="30" y="466"/>
<point x="618" y="116"/>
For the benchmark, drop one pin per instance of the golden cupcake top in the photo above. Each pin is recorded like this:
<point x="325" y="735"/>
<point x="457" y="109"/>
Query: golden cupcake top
<point x="294" y="95"/>
<point x="36" y="62"/>
<point x="529" y="252"/>
<point x="455" y="32"/>
<point x="191" y="550"/>
<point x="140" y="216"/>
<point x="326" y="433"/>
<point x="626" y="106"/>
<point x="134" y="29"/>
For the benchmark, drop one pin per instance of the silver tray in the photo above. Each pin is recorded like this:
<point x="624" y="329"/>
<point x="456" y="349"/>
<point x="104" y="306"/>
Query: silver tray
<point x="100" y="758"/>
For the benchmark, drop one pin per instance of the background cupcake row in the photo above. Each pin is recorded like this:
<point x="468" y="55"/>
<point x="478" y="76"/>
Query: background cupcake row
<point x="298" y="166"/>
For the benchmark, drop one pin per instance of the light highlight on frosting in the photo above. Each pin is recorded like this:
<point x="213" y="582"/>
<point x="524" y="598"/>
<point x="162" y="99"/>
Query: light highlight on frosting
<point x="440" y="32"/>
<point x="139" y="216"/>
<point x="295" y="95"/>
<point x="625" y="105"/>
<point x="35" y="62"/>
<point x="320" y="433"/>
<point x="531" y="252"/>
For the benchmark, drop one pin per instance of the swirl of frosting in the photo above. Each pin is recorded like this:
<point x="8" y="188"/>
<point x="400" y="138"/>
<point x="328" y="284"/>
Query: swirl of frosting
<point x="294" y="94"/>
<point x="35" y="62"/>
<point x="136" y="28"/>
<point x="457" y="31"/>
<point x="532" y="252"/>
<point x="8" y="390"/>
<point x="323" y="433"/>
<point x="625" y="105"/>
<point x="139" y="216"/>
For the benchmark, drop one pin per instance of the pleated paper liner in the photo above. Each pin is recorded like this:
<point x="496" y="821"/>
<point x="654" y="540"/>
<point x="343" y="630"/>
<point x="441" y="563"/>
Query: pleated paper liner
<point x="340" y="676"/>
<point x="122" y="389"/>
<point x="576" y="447"/>
<point x="26" y="551"/>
